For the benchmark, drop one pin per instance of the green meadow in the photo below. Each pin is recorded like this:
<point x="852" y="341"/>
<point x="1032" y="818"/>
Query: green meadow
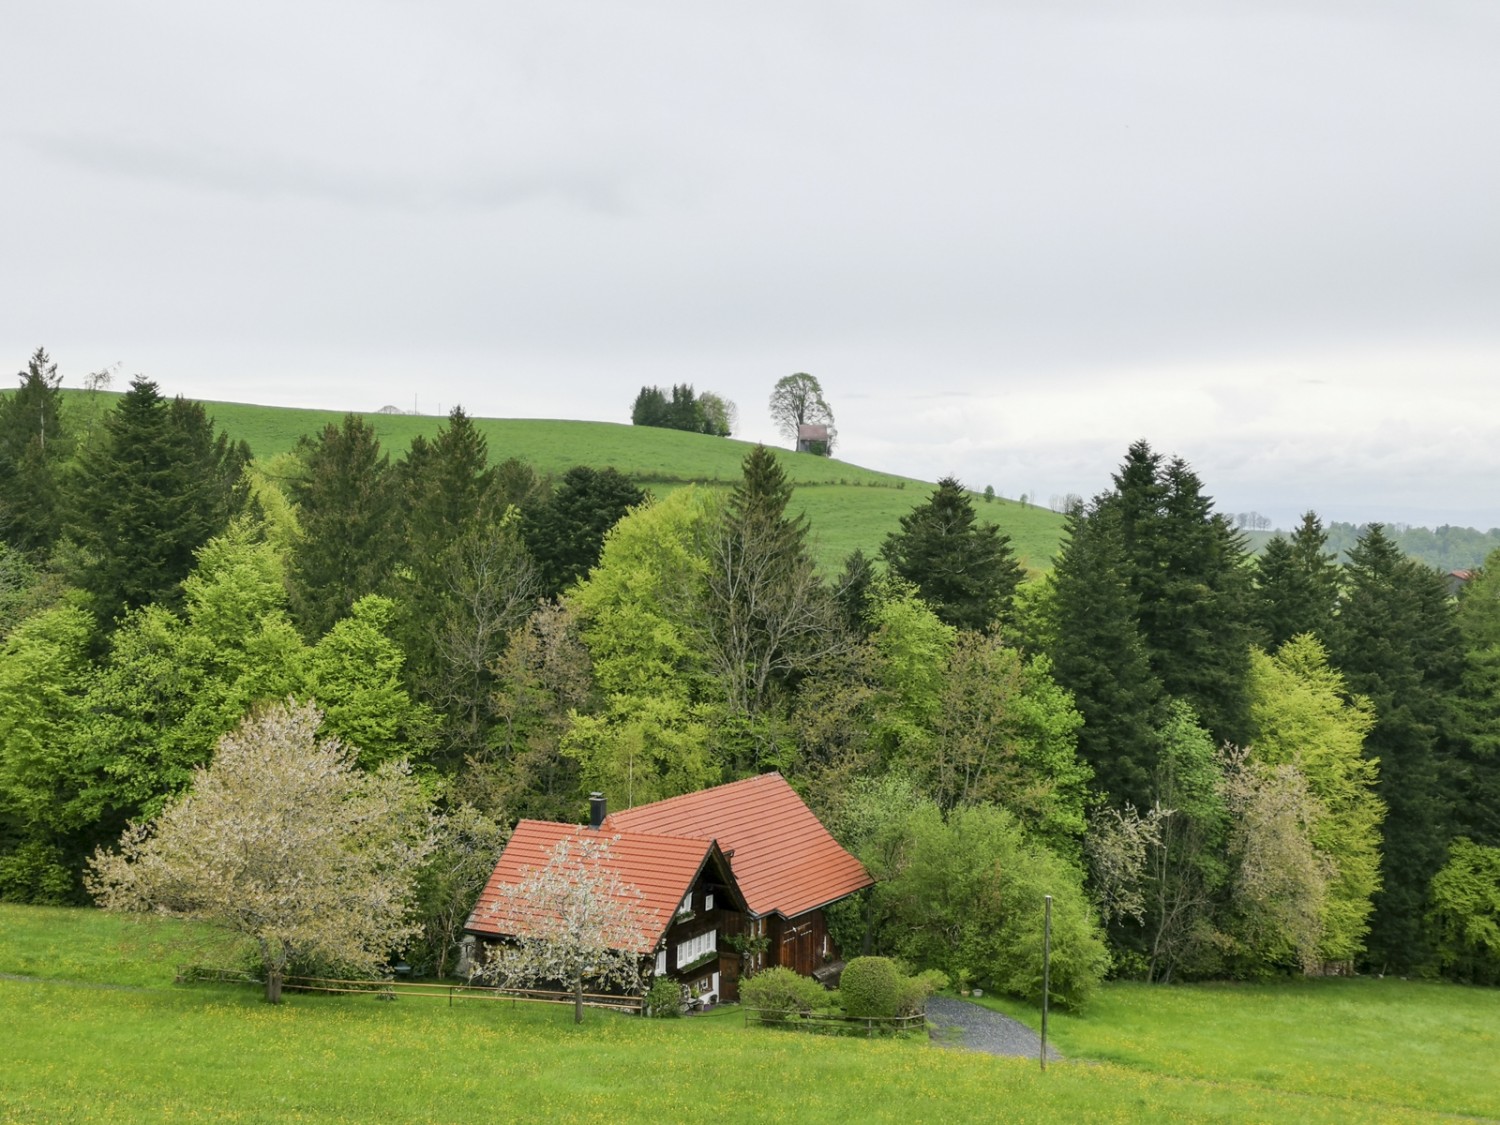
<point x="847" y="506"/>
<point x="94" y="1030"/>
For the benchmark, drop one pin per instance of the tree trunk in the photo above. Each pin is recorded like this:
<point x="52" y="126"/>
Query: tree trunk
<point x="578" y="1000"/>
<point x="273" y="986"/>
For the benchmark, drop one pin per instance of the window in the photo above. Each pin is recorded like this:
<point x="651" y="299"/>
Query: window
<point x="708" y="901"/>
<point x="661" y="962"/>
<point x="696" y="947"/>
<point x="687" y="903"/>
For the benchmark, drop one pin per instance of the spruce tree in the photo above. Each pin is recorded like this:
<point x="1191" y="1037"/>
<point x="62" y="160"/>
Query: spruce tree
<point x="1397" y="643"/>
<point x="566" y="534"/>
<point x="347" y="500"/>
<point x="1297" y="585"/>
<point x="1098" y="654"/>
<point x="963" y="569"/>
<point x="156" y="489"/>
<point x="33" y="447"/>
<point x="1186" y="567"/>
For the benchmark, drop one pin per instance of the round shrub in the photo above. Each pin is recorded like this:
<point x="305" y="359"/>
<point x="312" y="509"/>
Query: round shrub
<point x="664" y="999"/>
<point x="870" y="986"/>
<point x="780" y="993"/>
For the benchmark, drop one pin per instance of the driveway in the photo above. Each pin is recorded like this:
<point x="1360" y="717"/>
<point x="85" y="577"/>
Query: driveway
<point x="957" y="1023"/>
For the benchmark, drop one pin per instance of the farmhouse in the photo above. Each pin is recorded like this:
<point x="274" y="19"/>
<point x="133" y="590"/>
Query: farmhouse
<point x="744" y="863"/>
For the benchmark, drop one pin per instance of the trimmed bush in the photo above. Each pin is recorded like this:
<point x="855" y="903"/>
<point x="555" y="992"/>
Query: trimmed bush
<point x="911" y="1000"/>
<point x="871" y="986"/>
<point x="664" y="999"/>
<point x="780" y="993"/>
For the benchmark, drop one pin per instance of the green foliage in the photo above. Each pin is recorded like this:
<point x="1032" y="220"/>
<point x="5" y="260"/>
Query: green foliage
<point x="1185" y="564"/>
<point x="964" y="893"/>
<point x="347" y="504"/>
<point x="664" y="999"/>
<point x="566" y="534"/>
<point x="355" y="672"/>
<point x="1297" y="585"/>
<point x="1305" y="717"/>
<point x="871" y="986"/>
<point x="33" y="448"/>
<point x="1466" y="912"/>
<point x="1397" y="643"/>
<point x="780" y="993"/>
<point x="652" y="737"/>
<point x="1090" y="621"/>
<point x="708" y="414"/>
<point x="1186" y="867"/>
<point x="965" y="570"/>
<point x="156" y="489"/>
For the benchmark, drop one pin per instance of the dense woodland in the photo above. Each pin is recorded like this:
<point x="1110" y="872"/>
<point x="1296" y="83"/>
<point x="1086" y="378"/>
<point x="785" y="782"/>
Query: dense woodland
<point x="1217" y="766"/>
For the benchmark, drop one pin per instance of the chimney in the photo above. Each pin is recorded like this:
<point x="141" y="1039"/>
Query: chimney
<point x="596" y="810"/>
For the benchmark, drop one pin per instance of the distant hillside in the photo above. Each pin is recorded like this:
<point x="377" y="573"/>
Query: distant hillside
<point x="848" y="506"/>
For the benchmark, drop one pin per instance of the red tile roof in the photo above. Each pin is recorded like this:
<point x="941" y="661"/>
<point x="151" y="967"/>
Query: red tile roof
<point x="784" y="860"/>
<point x="662" y="868"/>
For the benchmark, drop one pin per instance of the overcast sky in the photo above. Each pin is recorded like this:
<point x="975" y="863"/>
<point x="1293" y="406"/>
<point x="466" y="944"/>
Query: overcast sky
<point x="1008" y="238"/>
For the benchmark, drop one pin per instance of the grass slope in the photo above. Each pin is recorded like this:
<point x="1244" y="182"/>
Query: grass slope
<point x="152" y="1051"/>
<point x="847" y="505"/>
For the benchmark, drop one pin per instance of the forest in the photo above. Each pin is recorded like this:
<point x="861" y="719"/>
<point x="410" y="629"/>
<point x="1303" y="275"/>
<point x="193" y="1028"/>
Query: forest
<point x="1220" y="766"/>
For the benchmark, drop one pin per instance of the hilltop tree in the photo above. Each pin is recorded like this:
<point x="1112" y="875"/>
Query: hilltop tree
<point x="283" y="840"/>
<point x="33" y="447"/>
<point x="963" y="569"/>
<point x="159" y="487"/>
<point x="797" y="400"/>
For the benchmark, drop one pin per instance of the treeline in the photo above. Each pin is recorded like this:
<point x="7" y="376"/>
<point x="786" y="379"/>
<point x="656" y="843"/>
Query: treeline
<point x="1446" y="548"/>
<point x="683" y="409"/>
<point x="1216" y="767"/>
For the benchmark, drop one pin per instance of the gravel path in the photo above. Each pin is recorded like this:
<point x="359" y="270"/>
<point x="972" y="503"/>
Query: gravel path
<point x="957" y="1023"/>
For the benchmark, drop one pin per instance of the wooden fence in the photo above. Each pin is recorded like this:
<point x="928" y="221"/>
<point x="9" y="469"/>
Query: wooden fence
<point x="835" y="1025"/>
<point x="392" y="989"/>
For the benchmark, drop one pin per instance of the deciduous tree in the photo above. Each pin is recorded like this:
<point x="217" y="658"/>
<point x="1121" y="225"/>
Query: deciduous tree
<point x="575" y="921"/>
<point x="283" y="840"/>
<point x="797" y="400"/>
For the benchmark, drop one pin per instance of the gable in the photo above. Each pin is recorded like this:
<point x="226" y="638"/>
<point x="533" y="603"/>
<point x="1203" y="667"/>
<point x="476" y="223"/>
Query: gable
<point x="662" y="868"/>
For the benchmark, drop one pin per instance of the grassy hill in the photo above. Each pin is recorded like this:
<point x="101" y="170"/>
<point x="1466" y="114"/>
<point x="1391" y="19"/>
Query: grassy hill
<point x="96" y="1031"/>
<point x="848" y="506"/>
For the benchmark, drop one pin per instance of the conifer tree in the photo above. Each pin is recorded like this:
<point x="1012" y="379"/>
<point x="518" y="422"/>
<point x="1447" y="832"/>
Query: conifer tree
<point x="566" y="534"/>
<point x="33" y="446"/>
<point x="156" y="489"/>
<point x="347" y="503"/>
<point x="1185" y="565"/>
<point x="765" y="617"/>
<point x="962" y="568"/>
<point x="1297" y="585"/>
<point x="1098" y="654"/>
<point x="1397" y="643"/>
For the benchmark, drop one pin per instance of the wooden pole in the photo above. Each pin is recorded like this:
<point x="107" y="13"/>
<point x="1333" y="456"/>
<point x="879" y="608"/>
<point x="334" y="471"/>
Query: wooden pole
<point x="1046" y="971"/>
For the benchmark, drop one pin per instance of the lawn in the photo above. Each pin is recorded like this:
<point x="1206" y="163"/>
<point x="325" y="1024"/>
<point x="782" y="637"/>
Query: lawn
<point x="153" y="1051"/>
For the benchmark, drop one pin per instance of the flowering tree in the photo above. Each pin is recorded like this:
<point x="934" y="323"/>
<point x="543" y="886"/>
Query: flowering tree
<point x="574" y="920"/>
<point x="284" y="840"/>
